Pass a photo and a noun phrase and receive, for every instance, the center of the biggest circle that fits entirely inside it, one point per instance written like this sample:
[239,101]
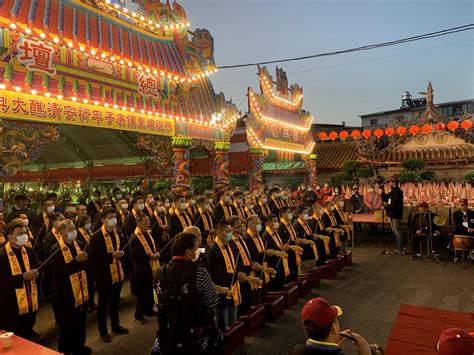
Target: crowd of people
[195,262]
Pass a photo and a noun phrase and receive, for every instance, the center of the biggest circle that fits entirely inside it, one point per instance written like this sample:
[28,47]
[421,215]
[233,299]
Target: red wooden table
[22,346]
[416,329]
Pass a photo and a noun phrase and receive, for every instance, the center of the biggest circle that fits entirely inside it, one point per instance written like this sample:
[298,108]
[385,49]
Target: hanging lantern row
[400,131]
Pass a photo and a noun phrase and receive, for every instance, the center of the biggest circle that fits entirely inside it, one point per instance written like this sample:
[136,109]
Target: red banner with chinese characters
[42,109]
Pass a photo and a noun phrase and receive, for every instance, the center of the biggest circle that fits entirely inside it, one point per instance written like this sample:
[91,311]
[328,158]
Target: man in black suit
[93,207]
[393,205]
[464,219]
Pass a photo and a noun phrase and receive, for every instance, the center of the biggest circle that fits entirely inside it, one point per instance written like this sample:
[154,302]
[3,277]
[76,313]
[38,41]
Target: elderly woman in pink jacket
[372,200]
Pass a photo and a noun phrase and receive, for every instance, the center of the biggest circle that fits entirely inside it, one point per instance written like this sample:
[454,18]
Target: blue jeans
[397,231]
[226,314]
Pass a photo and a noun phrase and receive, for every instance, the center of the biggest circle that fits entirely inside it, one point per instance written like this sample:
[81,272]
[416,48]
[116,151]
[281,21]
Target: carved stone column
[220,171]
[181,178]
[257,157]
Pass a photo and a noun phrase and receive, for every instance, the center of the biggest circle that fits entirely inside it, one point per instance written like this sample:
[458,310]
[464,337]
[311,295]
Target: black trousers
[109,296]
[246,293]
[21,325]
[145,300]
[438,242]
[72,333]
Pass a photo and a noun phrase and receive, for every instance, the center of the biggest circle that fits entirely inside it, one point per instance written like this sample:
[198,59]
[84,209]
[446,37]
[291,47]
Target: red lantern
[414,130]
[440,126]
[366,133]
[378,132]
[426,128]
[323,135]
[333,135]
[389,131]
[466,124]
[401,130]
[343,135]
[453,125]
[355,134]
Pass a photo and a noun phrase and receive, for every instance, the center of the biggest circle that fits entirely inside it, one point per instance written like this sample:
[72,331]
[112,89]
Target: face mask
[71,235]
[303,188]
[227,198]
[50,209]
[258,228]
[26,221]
[161,209]
[326,185]
[251,207]
[284,198]
[182,205]
[239,229]
[151,200]
[318,188]
[290,216]
[331,208]
[371,190]
[310,189]
[277,195]
[119,196]
[336,191]
[207,206]
[197,254]
[276,225]
[341,204]
[229,236]
[96,198]
[21,239]
[141,206]
[305,217]
[112,222]
[193,202]
[264,200]
[167,204]
[87,226]
[239,201]
[125,206]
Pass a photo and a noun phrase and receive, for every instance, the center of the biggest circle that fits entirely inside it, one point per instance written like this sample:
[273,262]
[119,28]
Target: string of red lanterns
[400,131]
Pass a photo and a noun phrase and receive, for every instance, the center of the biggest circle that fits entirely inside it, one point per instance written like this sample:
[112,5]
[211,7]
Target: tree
[352,171]
[469,177]
[414,171]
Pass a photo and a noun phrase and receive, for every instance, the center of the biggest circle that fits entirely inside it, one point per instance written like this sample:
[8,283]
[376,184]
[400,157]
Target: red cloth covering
[23,346]
[417,329]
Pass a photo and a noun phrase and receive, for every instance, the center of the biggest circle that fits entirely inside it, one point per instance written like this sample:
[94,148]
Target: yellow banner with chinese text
[37,108]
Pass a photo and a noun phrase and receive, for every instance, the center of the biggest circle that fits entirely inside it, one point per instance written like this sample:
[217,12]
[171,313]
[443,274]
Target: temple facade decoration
[276,122]
[220,171]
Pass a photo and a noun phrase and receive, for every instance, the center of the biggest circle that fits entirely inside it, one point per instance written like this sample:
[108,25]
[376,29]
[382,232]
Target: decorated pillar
[181,178]
[257,156]
[220,171]
[311,165]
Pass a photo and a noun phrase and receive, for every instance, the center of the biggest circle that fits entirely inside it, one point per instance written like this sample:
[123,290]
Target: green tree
[469,177]
[413,164]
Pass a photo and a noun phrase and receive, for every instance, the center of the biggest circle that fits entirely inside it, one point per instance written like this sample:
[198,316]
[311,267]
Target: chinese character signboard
[42,109]
[36,56]
[149,85]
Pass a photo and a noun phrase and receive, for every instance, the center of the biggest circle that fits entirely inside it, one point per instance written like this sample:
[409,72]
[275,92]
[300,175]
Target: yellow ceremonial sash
[308,232]
[30,238]
[293,238]
[337,238]
[227,210]
[277,204]
[159,220]
[208,224]
[248,212]
[86,235]
[343,218]
[97,207]
[27,296]
[56,234]
[116,267]
[276,238]
[261,249]
[122,215]
[317,219]
[149,209]
[240,213]
[79,279]
[184,223]
[245,255]
[149,249]
[46,220]
[230,268]
[265,209]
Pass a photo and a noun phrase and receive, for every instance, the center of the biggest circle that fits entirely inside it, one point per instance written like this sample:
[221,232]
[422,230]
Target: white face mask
[182,205]
[227,198]
[251,207]
[112,222]
[305,217]
[370,190]
[290,216]
[341,204]
[310,189]
[125,206]
[71,235]
[277,195]
[258,228]
[141,206]
[193,202]
[303,188]
[87,226]
[207,206]
[284,198]
[151,200]
[239,201]
[21,239]
[119,196]
[161,209]
[167,204]
[336,191]
[276,225]
[50,209]
[331,208]
[264,200]
[26,222]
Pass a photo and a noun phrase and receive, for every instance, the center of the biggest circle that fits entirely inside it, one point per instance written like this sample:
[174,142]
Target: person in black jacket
[424,227]
[464,219]
[69,290]
[393,205]
[145,257]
